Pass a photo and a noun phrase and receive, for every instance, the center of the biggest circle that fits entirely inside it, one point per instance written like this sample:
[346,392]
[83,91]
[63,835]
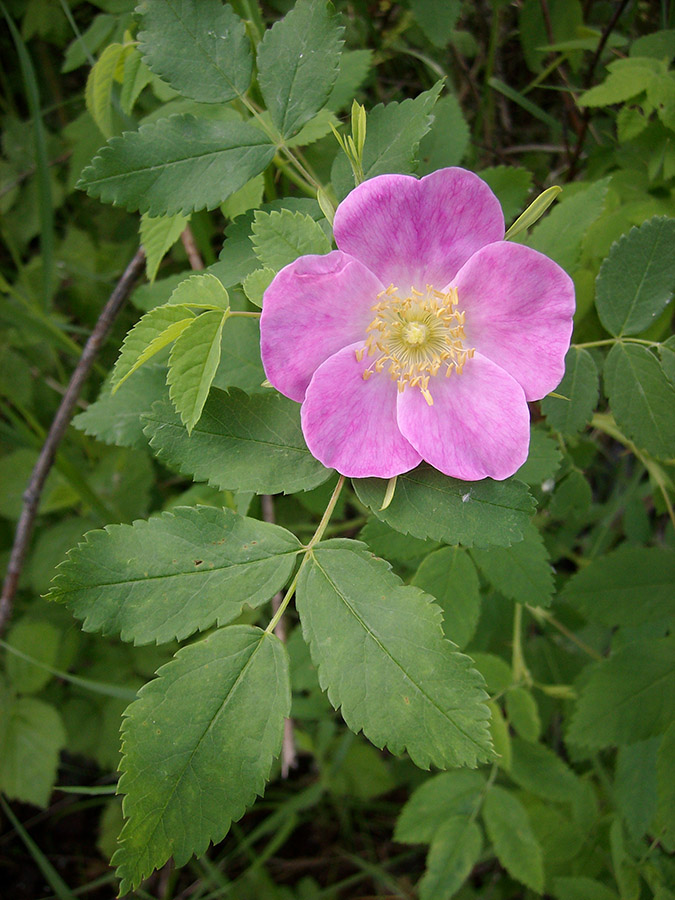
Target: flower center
[415,336]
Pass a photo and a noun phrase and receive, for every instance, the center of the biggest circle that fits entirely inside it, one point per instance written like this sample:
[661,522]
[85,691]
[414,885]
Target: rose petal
[350,424]
[414,232]
[478,426]
[519,306]
[312,308]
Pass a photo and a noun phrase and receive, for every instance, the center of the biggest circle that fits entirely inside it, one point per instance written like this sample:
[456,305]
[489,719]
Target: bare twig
[193,254]
[289,756]
[33,492]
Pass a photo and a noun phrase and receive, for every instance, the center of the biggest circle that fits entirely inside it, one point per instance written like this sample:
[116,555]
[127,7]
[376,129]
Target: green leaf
[115,419]
[248,197]
[354,67]
[381,656]
[31,737]
[241,443]
[203,291]
[428,504]
[523,713]
[625,80]
[511,185]
[240,364]
[641,398]
[560,234]
[667,354]
[392,545]
[177,165]
[537,769]
[450,577]
[543,458]
[628,697]
[280,237]
[636,281]
[665,765]
[635,784]
[256,283]
[199,47]
[298,61]
[509,829]
[198,747]
[158,235]
[581,888]
[448,140]
[38,639]
[453,853]
[501,737]
[630,586]
[580,387]
[440,797]
[521,572]
[98,93]
[153,331]
[437,21]
[174,574]
[392,138]
[193,363]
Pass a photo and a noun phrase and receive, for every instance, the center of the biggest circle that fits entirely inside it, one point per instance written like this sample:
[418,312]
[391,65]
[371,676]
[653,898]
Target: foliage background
[580,803]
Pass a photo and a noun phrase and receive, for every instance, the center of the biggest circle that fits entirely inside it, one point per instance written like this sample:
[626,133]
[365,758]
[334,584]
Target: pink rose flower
[423,336]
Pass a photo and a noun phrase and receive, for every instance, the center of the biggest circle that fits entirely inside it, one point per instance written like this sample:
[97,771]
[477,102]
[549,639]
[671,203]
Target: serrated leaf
[177,165]
[241,443]
[204,291]
[280,237]
[635,784]
[248,197]
[580,388]
[667,354]
[39,639]
[641,398]
[543,458]
[115,419]
[354,67]
[627,81]
[636,281]
[450,577]
[581,888]
[561,233]
[537,769]
[628,697]
[31,737]
[392,545]
[193,363]
[630,586]
[392,139]
[200,47]
[153,331]
[298,61]
[437,21]
[452,855]
[256,283]
[136,76]
[381,656]
[455,793]
[428,504]
[174,574]
[521,572]
[448,139]
[501,737]
[509,829]
[198,747]
[98,92]
[158,235]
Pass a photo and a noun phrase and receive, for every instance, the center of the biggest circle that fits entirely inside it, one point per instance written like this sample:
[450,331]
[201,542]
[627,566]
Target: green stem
[542,615]
[606,342]
[521,673]
[250,315]
[318,534]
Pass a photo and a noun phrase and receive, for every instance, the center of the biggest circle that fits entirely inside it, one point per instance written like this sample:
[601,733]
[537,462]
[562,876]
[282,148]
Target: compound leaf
[515,844]
[193,364]
[453,853]
[522,572]
[280,237]
[578,390]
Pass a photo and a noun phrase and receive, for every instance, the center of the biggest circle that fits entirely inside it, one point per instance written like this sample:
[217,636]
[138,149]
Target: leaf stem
[318,534]
[606,342]
[541,615]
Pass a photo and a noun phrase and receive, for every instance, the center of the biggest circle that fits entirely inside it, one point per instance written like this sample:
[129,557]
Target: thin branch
[33,492]
[193,254]
[289,756]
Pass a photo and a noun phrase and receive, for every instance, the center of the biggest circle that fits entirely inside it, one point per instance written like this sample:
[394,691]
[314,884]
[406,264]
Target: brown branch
[33,492]
[289,756]
[193,254]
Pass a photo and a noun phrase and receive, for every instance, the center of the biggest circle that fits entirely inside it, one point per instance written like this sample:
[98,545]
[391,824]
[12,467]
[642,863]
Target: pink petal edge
[313,308]
[414,232]
[350,424]
[519,306]
[478,426]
